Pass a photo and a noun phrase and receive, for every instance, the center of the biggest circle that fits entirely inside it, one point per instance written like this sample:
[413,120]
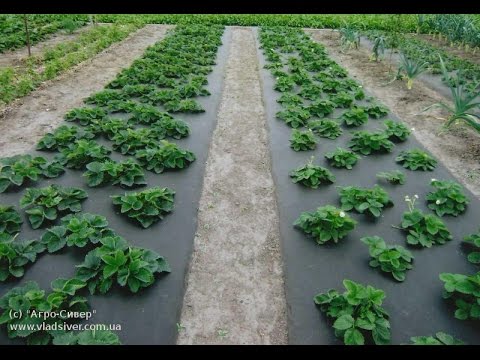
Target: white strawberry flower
[437,202]
[416,196]
[341,214]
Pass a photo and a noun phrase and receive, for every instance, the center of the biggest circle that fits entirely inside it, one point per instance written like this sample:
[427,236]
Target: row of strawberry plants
[316,94]
[178,65]
[12,27]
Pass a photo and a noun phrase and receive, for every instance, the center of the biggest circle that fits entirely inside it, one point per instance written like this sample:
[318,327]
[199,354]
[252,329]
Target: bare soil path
[14,58]
[235,292]
[458,149]
[27,120]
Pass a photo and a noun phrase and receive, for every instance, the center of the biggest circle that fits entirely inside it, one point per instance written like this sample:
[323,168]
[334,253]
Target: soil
[15,57]
[28,119]
[235,290]
[454,50]
[458,149]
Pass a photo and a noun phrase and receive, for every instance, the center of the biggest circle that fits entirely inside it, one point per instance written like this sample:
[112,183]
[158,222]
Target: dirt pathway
[14,58]
[235,291]
[24,123]
[458,149]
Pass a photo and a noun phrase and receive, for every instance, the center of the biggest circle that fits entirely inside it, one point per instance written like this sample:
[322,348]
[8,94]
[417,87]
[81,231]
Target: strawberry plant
[10,220]
[422,229]
[172,128]
[355,116]
[396,131]
[15,255]
[102,98]
[85,116]
[312,175]
[47,203]
[416,159]
[395,177]
[342,99]
[130,140]
[342,158]
[447,199]
[82,152]
[126,173]
[167,156]
[366,142]
[473,243]
[147,114]
[321,108]
[116,262]
[364,200]
[146,207]
[325,224]
[111,127]
[18,169]
[77,230]
[183,105]
[325,128]
[358,313]
[127,106]
[294,116]
[303,140]
[390,259]
[376,111]
[62,137]
[30,299]
[87,337]
[290,99]
[464,291]
[440,338]
[284,84]
[311,92]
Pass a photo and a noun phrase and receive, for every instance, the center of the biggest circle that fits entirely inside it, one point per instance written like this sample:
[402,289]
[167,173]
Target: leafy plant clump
[440,338]
[62,137]
[130,141]
[111,127]
[126,173]
[464,291]
[116,262]
[416,159]
[47,203]
[366,143]
[423,229]
[82,152]
[76,230]
[87,337]
[173,128]
[146,207]
[30,299]
[364,200]
[325,224]
[86,116]
[325,128]
[16,170]
[183,105]
[395,177]
[342,158]
[15,255]
[356,116]
[294,116]
[10,220]
[390,259]
[396,131]
[321,108]
[473,243]
[358,313]
[447,199]
[376,111]
[311,175]
[342,99]
[303,140]
[167,156]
